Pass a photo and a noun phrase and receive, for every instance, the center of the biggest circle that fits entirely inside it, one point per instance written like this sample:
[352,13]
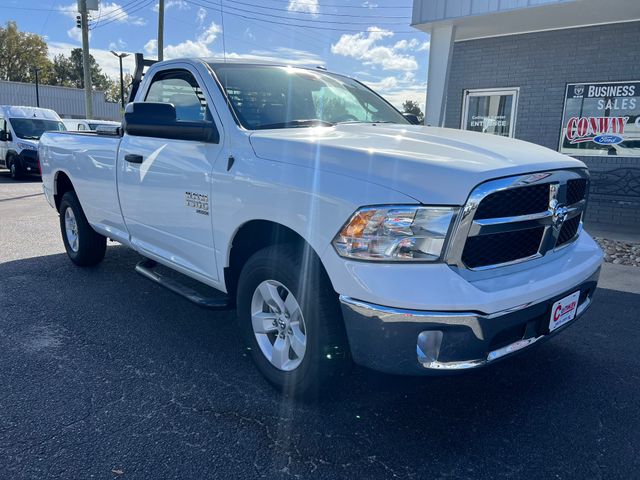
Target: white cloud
[201,15]
[107,61]
[386,83]
[249,34]
[370,5]
[151,47]
[365,47]
[118,45]
[106,12]
[75,33]
[399,89]
[210,34]
[309,6]
[188,48]
[413,44]
[200,47]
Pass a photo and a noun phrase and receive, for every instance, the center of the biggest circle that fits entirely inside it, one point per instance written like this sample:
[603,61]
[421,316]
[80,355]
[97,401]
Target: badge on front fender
[198,201]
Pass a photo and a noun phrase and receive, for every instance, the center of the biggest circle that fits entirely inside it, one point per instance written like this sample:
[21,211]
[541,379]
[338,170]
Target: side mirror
[5,136]
[147,119]
[412,118]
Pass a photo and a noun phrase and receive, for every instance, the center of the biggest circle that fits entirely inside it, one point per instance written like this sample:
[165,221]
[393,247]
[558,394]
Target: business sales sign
[601,119]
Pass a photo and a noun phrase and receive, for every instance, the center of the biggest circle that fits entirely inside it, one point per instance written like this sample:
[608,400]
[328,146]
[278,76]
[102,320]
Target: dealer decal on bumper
[564,310]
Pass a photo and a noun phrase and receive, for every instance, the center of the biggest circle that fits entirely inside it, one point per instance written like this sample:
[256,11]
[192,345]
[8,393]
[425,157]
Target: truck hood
[431,165]
[27,144]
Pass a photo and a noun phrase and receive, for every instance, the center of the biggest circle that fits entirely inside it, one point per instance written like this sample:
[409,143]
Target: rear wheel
[83,244]
[291,319]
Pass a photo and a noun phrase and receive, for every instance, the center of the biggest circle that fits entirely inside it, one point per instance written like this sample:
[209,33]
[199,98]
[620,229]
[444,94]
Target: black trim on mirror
[158,120]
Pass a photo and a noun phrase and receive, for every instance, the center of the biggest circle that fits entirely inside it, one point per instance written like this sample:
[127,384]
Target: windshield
[284,97]
[94,126]
[33,128]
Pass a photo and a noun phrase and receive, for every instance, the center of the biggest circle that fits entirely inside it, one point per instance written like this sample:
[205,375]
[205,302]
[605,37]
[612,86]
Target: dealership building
[564,74]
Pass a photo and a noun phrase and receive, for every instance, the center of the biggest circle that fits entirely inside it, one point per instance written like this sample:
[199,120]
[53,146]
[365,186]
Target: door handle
[133,158]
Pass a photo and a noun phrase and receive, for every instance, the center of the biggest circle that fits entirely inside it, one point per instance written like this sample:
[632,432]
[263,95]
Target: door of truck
[166,199]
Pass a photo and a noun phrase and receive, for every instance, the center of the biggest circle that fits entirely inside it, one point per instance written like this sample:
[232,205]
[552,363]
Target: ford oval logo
[608,139]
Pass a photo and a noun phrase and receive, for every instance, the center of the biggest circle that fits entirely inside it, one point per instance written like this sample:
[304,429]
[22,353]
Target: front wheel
[291,319]
[83,244]
[15,169]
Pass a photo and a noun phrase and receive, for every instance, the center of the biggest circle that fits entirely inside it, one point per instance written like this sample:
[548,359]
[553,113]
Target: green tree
[68,71]
[112,94]
[409,106]
[21,53]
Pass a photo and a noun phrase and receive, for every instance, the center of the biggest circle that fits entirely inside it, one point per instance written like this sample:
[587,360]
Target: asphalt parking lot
[106,375]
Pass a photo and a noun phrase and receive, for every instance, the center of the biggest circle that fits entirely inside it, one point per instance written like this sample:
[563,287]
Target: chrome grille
[515,219]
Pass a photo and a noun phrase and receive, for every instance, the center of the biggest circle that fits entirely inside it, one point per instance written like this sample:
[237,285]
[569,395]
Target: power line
[125,14]
[404,17]
[116,11]
[289,24]
[282,17]
[120,12]
[312,3]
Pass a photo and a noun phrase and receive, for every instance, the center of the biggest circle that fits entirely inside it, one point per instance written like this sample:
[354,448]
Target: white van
[20,130]
[84,125]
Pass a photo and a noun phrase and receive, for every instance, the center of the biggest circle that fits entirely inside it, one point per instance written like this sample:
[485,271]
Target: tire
[292,270]
[15,169]
[87,247]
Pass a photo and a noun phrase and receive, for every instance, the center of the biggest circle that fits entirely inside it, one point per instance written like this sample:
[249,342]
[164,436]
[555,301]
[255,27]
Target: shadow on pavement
[154,385]
[5,177]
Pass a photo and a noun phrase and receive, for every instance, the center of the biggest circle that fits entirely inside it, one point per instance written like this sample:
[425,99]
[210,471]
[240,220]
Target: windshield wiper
[30,137]
[366,121]
[312,122]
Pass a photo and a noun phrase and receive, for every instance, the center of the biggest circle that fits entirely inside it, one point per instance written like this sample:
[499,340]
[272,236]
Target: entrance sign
[601,119]
[490,111]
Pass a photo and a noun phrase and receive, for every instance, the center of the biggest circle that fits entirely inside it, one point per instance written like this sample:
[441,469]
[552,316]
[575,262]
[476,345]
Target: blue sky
[367,39]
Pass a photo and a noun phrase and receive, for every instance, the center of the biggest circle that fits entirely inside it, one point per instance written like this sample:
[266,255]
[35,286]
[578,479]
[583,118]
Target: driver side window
[180,88]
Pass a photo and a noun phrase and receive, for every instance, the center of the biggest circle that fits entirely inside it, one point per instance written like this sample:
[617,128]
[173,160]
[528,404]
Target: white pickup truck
[337,229]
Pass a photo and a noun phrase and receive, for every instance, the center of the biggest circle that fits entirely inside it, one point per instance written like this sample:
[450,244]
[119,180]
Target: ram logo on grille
[559,215]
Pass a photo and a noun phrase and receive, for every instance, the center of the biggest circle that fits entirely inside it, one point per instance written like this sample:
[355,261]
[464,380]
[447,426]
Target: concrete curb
[623,278]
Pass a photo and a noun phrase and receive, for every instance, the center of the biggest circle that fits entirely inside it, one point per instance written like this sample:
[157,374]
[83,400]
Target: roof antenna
[224,45]
[230,160]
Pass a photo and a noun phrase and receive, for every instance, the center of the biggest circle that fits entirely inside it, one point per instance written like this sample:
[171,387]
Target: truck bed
[90,159]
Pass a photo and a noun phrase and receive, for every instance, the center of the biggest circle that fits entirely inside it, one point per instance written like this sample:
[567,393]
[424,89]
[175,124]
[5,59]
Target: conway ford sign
[601,119]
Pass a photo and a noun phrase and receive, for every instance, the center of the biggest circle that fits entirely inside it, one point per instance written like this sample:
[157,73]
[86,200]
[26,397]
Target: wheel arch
[61,185]
[252,236]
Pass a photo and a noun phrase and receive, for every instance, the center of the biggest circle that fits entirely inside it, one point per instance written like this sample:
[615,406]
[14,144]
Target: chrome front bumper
[414,342]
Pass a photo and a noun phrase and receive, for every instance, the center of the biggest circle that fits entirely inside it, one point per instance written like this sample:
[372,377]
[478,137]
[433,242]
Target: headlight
[26,146]
[395,233]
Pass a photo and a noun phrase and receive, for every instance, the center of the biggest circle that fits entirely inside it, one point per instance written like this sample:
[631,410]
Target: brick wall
[541,64]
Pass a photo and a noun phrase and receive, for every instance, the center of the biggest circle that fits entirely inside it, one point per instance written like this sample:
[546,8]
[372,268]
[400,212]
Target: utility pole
[160,29]
[82,4]
[37,91]
[120,57]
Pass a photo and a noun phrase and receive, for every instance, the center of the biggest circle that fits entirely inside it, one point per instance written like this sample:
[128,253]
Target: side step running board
[145,268]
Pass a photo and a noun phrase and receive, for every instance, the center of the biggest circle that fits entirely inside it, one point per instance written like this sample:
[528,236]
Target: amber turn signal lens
[358,224]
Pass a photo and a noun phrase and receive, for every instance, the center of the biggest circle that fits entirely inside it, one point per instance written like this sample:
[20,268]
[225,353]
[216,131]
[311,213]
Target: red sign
[586,129]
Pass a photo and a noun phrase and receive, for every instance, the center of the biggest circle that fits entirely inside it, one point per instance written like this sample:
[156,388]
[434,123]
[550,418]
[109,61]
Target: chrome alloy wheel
[278,325]
[71,229]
